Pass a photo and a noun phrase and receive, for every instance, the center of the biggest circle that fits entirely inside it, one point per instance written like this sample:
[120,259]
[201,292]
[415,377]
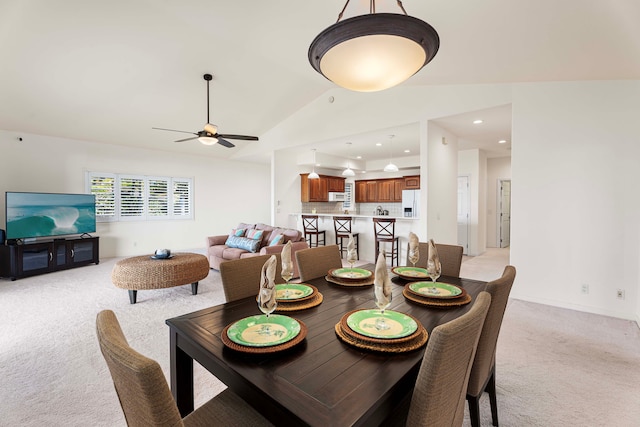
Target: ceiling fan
[209,135]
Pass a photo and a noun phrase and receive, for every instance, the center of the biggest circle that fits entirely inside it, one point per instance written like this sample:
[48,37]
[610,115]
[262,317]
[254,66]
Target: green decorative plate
[391,324]
[350,273]
[263,331]
[443,290]
[411,272]
[293,291]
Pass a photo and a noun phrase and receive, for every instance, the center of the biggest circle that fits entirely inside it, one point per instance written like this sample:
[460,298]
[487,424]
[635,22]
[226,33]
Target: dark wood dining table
[320,382]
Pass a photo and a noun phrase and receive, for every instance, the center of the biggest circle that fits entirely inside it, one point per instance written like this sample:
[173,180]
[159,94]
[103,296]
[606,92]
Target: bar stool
[342,226]
[310,227]
[384,231]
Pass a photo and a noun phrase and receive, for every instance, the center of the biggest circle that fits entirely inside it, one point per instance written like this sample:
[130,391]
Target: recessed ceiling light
[477,122]
[502,141]
[358,157]
[407,151]
[378,144]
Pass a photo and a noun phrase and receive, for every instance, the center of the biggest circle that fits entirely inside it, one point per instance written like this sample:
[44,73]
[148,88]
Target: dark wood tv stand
[30,259]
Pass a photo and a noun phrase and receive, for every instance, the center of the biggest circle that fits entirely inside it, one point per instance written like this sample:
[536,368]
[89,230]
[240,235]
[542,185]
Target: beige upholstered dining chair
[450,258]
[438,396]
[144,394]
[241,277]
[316,262]
[483,371]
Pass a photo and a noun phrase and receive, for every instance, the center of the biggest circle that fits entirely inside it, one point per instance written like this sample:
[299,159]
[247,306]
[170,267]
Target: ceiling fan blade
[242,137]
[174,130]
[186,139]
[225,143]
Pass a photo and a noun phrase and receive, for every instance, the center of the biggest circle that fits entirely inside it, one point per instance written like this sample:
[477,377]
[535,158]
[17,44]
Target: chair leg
[474,410]
[491,389]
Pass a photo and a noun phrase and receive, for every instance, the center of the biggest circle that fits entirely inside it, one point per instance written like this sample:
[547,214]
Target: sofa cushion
[246,226]
[288,233]
[233,253]
[246,243]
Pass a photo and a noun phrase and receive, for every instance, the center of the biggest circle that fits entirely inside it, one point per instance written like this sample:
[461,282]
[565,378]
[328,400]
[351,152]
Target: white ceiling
[109,71]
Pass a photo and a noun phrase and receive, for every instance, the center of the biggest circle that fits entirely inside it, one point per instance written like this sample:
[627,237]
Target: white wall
[575,210]
[472,163]
[226,192]
[498,168]
[441,185]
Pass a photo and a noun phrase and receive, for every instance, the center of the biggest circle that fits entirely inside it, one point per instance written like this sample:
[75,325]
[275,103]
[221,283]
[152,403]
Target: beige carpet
[555,367]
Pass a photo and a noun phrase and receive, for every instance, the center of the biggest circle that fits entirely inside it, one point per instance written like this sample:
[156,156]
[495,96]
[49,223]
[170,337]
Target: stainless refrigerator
[411,203]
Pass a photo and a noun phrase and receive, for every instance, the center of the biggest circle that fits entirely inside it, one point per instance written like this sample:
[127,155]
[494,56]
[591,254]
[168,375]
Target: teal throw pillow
[277,240]
[255,234]
[245,243]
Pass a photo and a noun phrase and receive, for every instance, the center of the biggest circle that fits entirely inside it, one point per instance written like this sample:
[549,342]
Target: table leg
[194,288]
[181,377]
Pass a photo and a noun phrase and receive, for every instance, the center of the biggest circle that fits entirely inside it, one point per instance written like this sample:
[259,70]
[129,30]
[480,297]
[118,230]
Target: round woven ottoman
[144,273]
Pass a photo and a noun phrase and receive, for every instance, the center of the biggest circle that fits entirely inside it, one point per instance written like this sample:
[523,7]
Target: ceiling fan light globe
[208,140]
[313,175]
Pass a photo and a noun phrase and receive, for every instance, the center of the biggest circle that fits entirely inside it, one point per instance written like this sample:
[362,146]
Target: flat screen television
[49,214]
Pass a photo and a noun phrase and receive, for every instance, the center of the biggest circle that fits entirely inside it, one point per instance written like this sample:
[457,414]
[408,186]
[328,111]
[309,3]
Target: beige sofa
[218,251]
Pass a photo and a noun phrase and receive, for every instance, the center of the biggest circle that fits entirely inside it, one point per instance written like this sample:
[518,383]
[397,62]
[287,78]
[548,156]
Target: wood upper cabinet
[385,190]
[372,191]
[398,186]
[335,183]
[361,191]
[412,182]
[317,190]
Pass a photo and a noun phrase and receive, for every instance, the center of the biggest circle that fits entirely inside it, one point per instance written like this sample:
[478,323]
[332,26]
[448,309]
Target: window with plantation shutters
[132,197]
[103,186]
[135,197]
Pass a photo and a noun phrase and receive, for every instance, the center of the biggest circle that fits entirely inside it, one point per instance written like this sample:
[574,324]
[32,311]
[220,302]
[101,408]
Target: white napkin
[287,264]
[267,283]
[382,283]
[433,261]
[414,245]
[351,249]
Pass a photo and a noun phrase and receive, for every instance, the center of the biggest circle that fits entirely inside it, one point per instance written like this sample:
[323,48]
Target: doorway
[464,212]
[504,213]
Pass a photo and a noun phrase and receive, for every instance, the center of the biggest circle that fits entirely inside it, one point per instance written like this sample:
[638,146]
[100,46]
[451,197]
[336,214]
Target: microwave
[337,197]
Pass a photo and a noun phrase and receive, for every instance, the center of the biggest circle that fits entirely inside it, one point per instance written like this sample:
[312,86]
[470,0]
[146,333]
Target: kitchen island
[363,224]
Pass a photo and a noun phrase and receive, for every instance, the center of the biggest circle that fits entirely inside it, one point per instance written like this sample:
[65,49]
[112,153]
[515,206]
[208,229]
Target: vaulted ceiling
[109,71]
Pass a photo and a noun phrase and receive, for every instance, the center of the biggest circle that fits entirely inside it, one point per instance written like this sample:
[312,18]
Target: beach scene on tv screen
[42,215]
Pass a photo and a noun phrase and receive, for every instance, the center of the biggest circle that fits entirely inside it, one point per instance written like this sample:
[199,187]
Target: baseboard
[579,307]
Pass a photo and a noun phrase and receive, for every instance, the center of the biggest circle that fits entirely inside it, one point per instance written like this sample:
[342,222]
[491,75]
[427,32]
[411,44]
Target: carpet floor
[555,367]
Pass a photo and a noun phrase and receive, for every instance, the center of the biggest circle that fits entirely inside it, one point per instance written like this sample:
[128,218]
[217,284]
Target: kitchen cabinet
[335,184]
[361,191]
[398,186]
[385,190]
[412,182]
[372,191]
[380,190]
[317,190]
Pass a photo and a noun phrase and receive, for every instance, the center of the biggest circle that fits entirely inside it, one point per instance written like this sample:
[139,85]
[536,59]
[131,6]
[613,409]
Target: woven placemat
[430,302]
[314,301]
[268,349]
[357,336]
[337,281]
[414,344]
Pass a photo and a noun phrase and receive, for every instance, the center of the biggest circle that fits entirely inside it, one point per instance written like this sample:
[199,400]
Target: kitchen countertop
[397,218]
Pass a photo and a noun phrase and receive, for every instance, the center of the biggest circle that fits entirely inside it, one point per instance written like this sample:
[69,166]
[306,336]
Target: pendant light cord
[372,8]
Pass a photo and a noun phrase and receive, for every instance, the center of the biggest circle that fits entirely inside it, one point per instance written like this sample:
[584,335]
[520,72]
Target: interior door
[464,206]
[505,213]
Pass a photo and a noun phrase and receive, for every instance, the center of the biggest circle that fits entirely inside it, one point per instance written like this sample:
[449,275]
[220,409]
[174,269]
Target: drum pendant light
[373,52]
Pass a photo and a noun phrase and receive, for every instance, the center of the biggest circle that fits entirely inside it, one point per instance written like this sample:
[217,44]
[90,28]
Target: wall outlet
[620,293]
[585,288]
